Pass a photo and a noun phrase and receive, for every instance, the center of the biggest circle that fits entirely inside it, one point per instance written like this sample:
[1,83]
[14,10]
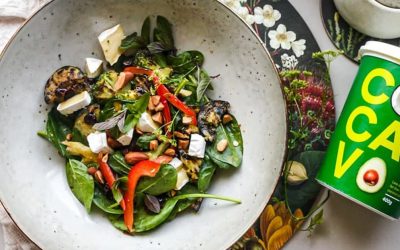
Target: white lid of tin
[382,50]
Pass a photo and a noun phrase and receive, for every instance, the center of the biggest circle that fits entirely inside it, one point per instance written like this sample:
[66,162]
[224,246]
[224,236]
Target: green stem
[212,196]
[43,134]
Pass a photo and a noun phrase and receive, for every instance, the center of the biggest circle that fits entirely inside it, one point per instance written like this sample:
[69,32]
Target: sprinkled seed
[221,145]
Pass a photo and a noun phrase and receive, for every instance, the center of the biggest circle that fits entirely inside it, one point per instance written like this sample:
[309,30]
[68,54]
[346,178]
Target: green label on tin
[362,159]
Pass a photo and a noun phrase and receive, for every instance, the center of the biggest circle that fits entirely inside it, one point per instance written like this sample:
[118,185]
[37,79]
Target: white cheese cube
[110,40]
[98,142]
[74,103]
[181,180]
[126,139]
[197,146]
[176,163]
[93,67]
[146,123]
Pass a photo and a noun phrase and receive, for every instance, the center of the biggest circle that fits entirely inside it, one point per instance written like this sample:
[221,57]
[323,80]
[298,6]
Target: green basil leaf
[206,173]
[144,140]
[57,130]
[163,33]
[203,84]
[145,33]
[232,156]
[118,164]
[186,61]
[102,202]
[135,110]
[164,181]
[157,47]
[80,182]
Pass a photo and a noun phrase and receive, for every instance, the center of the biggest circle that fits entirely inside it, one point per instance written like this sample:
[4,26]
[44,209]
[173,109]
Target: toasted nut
[180,135]
[91,170]
[183,144]
[151,106]
[153,145]
[99,177]
[138,131]
[187,120]
[227,118]
[159,107]
[113,143]
[157,117]
[221,145]
[134,157]
[155,99]
[68,137]
[170,152]
[192,129]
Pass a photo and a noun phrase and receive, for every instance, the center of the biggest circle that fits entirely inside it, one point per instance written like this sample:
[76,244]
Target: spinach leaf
[182,205]
[186,61]
[232,156]
[144,140]
[118,222]
[102,202]
[206,173]
[80,182]
[117,162]
[135,110]
[204,83]
[57,130]
[145,221]
[164,181]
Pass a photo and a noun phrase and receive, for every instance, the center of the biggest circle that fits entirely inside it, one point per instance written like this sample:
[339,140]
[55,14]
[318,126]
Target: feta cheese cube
[93,67]
[110,41]
[181,180]
[98,142]
[126,139]
[176,163]
[74,103]
[146,123]
[197,146]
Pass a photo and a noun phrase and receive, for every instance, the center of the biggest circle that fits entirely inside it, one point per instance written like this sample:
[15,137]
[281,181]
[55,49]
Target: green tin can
[362,160]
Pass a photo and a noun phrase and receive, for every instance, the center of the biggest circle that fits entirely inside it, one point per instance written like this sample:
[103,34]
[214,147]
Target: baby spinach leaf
[117,162]
[206,173]
[204,82]
[144,140]
[186,61]
[232,156]
[57,130]
[80,182]
[117,221]
[102,202]
[164,181]
[135,110]
[182,205]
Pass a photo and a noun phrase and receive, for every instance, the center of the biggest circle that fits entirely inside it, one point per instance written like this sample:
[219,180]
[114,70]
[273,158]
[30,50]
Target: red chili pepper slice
[108,174]
[143,168]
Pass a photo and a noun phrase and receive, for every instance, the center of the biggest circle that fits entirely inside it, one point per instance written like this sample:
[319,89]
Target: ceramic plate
[33,185]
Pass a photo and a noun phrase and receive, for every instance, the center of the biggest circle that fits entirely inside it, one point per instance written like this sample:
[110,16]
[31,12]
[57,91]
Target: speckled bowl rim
[280,86]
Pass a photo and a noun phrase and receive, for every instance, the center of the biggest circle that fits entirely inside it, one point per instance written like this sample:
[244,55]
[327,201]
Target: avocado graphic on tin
[371,175]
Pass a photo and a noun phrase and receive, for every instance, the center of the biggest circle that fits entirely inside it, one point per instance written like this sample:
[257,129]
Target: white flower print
[281,38]
[267,15]
[298,47]
[243,12]
[232,4]
[289,62]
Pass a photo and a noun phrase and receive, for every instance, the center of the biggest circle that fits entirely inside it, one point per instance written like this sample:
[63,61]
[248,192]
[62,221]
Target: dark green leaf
[161,60]
[184,204]
[102,202]
[186,61]
[132,41]
[156,47]
[145,33]
[232,156]
[118,222]
[163,33]
[203,84]
[135,110]
[303,196]
[118,164]
[107,111]
[144,140]
[78,137]
[164,181]
[206,173]
[80,182]
[57,130]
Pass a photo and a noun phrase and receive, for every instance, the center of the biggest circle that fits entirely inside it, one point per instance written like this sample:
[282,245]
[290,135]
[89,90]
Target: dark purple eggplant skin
[64,83]
[210,116]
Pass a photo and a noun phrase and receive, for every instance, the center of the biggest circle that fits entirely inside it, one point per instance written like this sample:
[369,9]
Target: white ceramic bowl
[370,17]
[33,185]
